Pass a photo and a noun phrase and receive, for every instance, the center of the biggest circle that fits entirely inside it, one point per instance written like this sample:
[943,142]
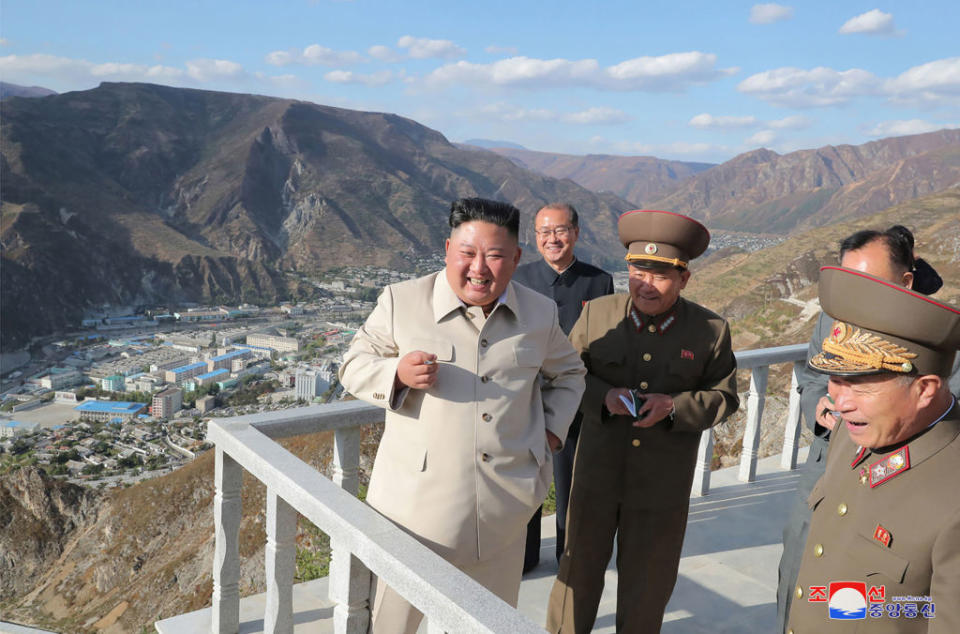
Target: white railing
[363,542]
[758,362]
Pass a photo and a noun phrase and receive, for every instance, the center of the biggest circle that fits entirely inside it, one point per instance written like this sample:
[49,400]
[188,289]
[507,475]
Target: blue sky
[697,81]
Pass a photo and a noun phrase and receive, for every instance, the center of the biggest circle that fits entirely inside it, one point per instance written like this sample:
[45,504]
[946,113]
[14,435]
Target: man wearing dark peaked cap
[883,551]
[633,472]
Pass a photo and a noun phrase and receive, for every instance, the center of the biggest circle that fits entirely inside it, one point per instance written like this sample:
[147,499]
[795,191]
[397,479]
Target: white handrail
[364,542]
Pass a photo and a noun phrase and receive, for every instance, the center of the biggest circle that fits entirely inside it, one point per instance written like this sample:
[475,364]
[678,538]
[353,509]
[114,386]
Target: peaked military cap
[880,326]
[661,238]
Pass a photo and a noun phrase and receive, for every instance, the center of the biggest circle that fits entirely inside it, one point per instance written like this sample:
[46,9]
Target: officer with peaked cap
[671,361]
[883,552]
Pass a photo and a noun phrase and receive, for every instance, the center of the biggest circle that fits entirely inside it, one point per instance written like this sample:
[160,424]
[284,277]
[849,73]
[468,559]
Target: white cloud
[799,88]
[596,115]
[349,77]
[682,149]
[384,53]
[508,112]
[501,50]
[707,121]
[795,122]
[210,69]
[905,127]
[52,66]
[762,138]
[873,22]
[64,73]
[769,13]
[423,48]
[931,82]
[314,55]
[673,72]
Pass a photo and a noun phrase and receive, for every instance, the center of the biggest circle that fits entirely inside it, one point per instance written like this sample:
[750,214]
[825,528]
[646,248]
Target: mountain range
[132,194]
[639,179]
[137,194]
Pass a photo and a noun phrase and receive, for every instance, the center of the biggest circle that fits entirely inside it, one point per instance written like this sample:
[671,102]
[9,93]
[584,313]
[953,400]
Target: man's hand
[613,403]
[825,417]
[554,441]
[417,370]
[655,408]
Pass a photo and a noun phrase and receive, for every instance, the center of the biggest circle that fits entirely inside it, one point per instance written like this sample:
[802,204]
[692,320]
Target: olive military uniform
[883,550]
[571,289]
[635,482]
[901,534]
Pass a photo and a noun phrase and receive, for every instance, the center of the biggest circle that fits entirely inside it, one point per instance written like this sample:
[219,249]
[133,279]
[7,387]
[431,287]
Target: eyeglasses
[561,232]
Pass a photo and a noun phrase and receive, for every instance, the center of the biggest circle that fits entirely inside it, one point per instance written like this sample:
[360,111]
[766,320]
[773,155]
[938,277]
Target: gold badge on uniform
[891,466]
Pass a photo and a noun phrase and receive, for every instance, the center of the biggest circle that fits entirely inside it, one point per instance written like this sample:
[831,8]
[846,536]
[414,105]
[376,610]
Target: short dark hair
[567,207]
[480,209]
[899,242]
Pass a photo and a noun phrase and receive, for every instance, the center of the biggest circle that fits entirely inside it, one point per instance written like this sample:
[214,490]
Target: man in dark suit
[571,283]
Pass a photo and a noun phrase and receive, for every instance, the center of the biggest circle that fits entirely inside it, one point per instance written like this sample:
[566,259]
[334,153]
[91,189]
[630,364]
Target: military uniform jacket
[464,464]
[902,534]
[686,353]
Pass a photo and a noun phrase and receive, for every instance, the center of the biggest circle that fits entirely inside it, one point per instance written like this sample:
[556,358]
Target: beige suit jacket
[464,464]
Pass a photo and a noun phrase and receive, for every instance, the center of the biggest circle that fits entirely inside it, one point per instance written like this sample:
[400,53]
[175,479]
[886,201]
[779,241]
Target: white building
[310,384]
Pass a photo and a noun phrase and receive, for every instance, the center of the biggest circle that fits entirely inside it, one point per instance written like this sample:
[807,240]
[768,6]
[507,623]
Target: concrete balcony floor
[727,580]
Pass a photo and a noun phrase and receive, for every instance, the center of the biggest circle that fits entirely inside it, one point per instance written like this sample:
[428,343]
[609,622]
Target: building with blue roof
[109,411]
[13,428]
[185,372]
[225,361]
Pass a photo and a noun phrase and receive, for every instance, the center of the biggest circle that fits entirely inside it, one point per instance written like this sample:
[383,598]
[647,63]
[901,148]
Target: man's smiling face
[878,410]
[480,259]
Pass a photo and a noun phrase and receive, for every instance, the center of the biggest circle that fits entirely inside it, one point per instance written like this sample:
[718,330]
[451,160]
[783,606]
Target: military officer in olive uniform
[883,551]
[633,471]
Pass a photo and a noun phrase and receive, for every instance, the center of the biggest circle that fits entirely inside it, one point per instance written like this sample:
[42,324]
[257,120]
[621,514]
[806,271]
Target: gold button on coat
[644,385]
[842,509]
[799,592]
[635,442]
[818,550]
[647,356]
[652,328]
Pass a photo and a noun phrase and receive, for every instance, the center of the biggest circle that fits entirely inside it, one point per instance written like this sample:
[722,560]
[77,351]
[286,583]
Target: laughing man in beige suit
[480,385]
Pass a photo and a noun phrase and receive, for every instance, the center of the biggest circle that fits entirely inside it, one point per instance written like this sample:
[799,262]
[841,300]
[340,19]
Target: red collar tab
[858,457]
[889,467]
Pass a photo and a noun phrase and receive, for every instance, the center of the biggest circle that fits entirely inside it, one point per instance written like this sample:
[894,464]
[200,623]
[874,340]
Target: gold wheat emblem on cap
[852,346]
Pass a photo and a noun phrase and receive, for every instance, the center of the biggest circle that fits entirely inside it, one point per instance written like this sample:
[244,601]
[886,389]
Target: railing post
[751,433]
[791,432]
[228,479]
[349,578]
[701,474]
[346,459]
[280,564]
[350,589]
